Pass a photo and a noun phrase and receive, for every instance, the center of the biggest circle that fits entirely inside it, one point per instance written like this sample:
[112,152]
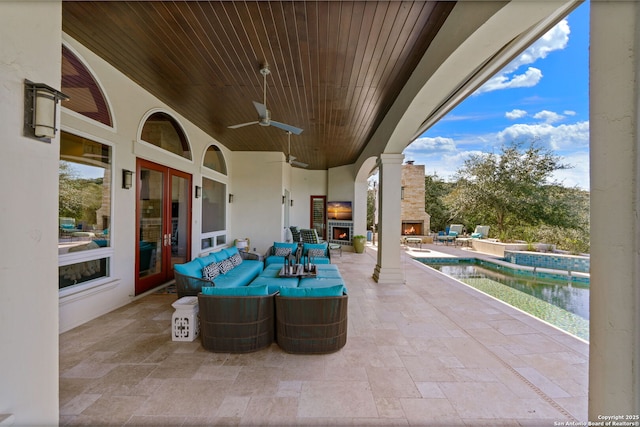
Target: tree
[434,191]
[510,189]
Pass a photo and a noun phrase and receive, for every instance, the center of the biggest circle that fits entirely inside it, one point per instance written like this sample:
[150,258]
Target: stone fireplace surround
[348,225]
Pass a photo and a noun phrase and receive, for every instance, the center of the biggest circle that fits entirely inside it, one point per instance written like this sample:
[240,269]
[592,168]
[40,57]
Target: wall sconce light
[127,179]
[198,191]
[230,198]
[40,110]
[291,202]
[284,199]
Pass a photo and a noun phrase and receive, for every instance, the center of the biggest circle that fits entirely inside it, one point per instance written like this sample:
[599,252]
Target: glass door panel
[151,226]
[318,215]
[180,215]
[163,232]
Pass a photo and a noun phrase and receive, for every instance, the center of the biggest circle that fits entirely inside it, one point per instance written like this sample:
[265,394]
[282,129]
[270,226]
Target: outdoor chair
[295,233]
[310,235]
[481,232]
[454,230]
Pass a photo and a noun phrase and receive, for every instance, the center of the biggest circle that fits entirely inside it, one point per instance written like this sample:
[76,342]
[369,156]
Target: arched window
[214,160]
[85,95]
[163,131]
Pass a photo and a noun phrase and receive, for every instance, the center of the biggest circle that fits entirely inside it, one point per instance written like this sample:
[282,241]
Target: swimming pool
[563,303]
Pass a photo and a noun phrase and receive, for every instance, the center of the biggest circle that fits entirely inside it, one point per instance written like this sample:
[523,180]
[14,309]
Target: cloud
[569,113]
[556,138]
[548,116]
[430,146]
[555,39]
[578,174]
[515,114]
[530,78]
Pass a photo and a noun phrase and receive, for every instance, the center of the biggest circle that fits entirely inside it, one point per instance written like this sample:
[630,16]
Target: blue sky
[543,95]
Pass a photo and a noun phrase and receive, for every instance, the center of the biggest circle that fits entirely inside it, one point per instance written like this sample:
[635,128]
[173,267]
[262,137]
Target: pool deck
[431,351]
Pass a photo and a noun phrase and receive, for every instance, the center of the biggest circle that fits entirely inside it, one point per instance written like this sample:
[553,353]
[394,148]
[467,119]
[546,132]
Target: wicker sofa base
[236,324]
[311,325]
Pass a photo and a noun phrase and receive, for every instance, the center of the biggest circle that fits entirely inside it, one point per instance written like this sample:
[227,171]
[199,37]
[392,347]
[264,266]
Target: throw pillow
[211,271]
[225,266]
[315,253]
[282,251]
[236,259]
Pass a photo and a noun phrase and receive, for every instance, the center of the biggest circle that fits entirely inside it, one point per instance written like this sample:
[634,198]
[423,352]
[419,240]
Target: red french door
[163,225]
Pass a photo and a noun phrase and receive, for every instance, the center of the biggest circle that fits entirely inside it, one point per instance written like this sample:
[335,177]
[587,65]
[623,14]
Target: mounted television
[340,211]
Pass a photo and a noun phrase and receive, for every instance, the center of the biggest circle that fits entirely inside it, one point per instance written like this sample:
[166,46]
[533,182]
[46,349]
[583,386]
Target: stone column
[388,269]
[614,356]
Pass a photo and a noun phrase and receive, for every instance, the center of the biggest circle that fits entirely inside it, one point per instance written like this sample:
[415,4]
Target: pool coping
[577,277]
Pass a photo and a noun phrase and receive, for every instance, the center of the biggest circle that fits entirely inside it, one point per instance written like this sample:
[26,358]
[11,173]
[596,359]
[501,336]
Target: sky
[542,96]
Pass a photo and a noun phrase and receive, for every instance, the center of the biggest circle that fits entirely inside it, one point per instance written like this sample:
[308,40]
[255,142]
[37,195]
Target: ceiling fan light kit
[264,115]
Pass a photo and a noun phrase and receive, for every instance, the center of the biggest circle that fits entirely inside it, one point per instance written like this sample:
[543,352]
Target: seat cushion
[237,292]
[191,268]
[330,291]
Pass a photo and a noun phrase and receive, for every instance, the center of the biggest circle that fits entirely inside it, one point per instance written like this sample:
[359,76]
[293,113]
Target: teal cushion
[331,291]
[191,268]
[207,259]
[292,246]
[230,251]
[307,246]
[476,235]
[220,256]
[242,291]
[453,233]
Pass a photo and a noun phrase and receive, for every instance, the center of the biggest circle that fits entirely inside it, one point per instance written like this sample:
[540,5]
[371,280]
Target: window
[214,160]
[84,209]
[214,208]
[163,131]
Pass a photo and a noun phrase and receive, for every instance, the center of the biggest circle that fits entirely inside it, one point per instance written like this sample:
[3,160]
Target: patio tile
[429,352]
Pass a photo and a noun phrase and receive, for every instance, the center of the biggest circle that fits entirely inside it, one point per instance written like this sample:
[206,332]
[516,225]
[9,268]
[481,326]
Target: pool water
[562,304]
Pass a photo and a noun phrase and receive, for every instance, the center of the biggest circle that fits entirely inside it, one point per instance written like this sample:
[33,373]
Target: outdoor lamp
[198,191]
[127,179]
[40,110]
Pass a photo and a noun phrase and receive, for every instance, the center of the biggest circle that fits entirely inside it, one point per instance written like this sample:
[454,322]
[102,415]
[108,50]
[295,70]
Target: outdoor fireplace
[341,233]
[412,228]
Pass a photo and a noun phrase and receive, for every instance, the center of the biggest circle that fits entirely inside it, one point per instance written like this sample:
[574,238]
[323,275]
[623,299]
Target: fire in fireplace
[410,228]
[341,233]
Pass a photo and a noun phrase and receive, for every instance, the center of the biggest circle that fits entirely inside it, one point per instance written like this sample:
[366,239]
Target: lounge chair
[454,230]
[481,232]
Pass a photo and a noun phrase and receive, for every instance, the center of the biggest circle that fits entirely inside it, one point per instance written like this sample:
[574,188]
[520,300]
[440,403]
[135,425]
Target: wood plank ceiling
[336,66]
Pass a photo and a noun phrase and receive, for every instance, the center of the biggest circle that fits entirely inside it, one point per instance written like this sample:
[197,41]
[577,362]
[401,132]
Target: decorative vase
[358,243]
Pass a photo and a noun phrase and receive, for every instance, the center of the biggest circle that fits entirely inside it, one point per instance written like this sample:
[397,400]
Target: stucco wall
[29,194]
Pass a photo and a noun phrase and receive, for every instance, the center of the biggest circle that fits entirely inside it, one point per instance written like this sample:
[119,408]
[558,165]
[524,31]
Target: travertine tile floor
[429,352]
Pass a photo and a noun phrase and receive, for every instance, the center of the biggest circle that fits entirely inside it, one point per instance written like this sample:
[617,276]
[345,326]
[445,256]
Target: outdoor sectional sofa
[190,280]
[245,312]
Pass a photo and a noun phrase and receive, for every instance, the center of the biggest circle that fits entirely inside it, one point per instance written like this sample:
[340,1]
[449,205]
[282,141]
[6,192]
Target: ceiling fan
[264,114]
[292,159]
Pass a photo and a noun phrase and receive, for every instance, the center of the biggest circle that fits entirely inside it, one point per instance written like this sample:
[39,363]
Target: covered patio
[431,352]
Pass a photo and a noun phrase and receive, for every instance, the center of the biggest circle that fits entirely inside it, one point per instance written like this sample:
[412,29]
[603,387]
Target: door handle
[167,240]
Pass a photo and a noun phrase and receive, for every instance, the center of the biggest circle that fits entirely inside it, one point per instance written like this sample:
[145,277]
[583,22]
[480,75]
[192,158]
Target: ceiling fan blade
[261,109]
[298,164]
[242,125]
[294,130]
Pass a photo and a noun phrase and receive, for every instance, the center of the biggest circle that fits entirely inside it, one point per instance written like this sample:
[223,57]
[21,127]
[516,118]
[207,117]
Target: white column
[388,269]
[614,365]
[30,48]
